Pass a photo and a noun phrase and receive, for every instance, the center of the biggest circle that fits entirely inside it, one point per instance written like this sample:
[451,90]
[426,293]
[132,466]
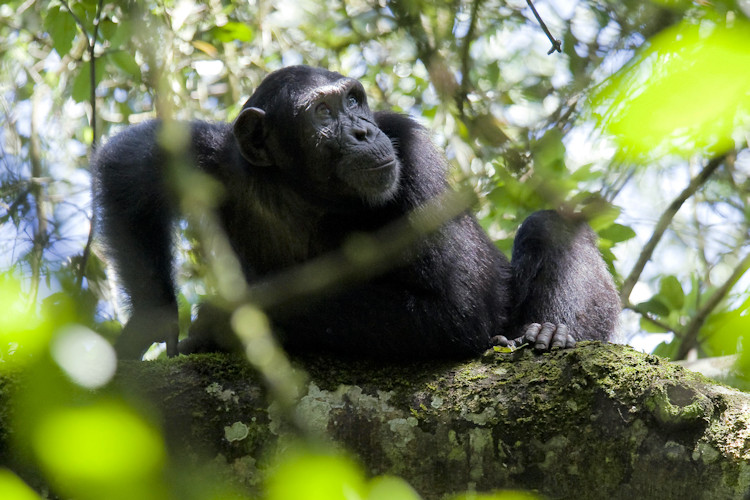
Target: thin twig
[466,55]
[556,44]
[663,224]
[91,43]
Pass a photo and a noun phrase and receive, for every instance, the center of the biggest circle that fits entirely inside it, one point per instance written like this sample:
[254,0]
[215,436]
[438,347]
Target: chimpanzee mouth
[388,164]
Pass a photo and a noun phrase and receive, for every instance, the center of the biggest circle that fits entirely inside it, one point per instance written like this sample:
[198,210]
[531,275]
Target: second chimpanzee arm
[563,289]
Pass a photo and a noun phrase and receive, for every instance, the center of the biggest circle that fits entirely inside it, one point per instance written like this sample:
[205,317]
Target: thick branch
[597,421]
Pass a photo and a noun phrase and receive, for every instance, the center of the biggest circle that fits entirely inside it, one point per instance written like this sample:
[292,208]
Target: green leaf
[126,62]
[107,29]
[649,326]
[654,305]
[101,450]
[601,215]
[549,151]
[685,92]
[233,31]
[62,29]
[121,35]
[391,488]
[82,85]
[667,349]
[671,293]
[12,487]
[316,476]
[617,233]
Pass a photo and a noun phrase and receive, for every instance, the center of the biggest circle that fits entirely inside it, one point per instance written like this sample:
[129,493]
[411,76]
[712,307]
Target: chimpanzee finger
[545,337]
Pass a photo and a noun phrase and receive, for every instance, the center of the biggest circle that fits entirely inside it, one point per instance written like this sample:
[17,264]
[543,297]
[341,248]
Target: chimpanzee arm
[135,211]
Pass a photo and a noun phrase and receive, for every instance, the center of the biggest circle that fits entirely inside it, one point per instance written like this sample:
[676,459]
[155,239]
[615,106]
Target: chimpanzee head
[315,128]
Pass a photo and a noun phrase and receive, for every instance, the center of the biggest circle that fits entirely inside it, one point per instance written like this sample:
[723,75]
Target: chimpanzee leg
[141,251]
[563,290]
[135,221]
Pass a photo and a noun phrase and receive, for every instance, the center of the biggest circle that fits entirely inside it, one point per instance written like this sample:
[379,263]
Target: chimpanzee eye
[352,101]
[323,109]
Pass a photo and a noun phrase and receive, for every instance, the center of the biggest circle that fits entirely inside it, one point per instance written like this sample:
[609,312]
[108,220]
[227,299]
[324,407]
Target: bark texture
[597,421]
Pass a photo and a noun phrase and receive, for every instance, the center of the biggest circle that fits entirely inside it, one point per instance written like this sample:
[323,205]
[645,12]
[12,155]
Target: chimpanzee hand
[543,337]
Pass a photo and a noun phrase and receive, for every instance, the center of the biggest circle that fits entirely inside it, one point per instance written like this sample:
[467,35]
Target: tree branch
[664,222]
[556,44]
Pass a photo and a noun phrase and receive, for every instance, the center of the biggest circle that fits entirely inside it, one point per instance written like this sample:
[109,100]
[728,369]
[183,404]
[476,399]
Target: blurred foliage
[701,62]
[614,128]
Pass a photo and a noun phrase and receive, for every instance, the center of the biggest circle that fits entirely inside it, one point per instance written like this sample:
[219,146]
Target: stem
[556,44]
[92,98]
[37,192]
[663,224]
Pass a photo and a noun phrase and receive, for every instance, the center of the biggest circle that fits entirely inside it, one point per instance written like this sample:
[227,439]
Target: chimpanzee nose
[360,132]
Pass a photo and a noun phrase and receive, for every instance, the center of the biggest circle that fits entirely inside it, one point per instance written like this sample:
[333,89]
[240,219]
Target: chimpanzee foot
[548,336]
[543,337]
[146,327]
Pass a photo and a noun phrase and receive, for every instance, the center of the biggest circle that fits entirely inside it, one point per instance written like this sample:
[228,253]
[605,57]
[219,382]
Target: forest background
[639,121]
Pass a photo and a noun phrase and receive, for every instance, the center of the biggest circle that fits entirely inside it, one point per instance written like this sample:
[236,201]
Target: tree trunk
[598,421]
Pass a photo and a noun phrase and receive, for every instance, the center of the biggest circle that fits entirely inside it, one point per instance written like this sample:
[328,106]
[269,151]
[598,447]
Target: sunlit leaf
[391,488]
[316,476]
[233,31]
[102,450]
[686,92]
[12,488]
[23,334]
[727,332]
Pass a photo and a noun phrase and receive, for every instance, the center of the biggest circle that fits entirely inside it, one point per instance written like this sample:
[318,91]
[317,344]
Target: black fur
[306,164]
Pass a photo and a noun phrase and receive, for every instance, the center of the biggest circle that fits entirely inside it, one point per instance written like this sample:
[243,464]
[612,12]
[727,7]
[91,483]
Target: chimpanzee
[305,165]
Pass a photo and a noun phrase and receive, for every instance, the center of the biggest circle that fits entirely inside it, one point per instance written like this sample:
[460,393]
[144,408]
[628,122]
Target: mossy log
[597,421]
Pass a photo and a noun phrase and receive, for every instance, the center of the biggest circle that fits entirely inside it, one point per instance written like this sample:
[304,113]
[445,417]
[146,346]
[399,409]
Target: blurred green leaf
[126,62]
[61,27]
[233,31]
[13,488]
[667,349]
[724,331]
[649,326]
[81,90]
[316,476]
[685,92]
[101,450]
[654,305]
[617,233]
[549,151]
[391,488]
[23,334]
[671,292]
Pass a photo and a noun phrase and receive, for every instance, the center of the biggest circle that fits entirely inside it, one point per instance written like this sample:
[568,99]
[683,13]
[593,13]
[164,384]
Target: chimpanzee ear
[249,131]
